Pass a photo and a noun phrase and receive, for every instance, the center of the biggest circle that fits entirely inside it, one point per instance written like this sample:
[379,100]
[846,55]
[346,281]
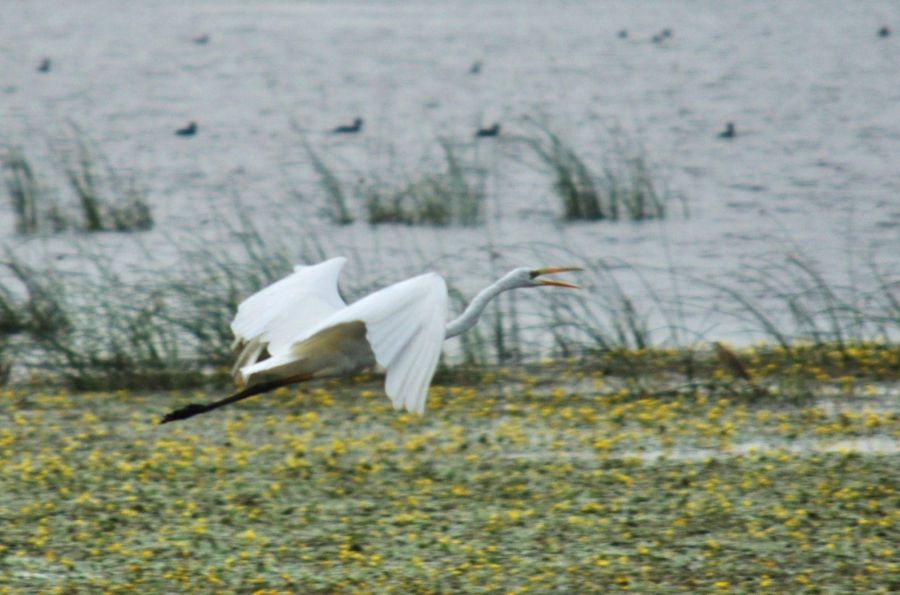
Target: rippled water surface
[814,170]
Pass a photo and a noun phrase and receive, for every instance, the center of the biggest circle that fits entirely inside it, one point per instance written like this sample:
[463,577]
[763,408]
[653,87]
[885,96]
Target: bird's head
[525,277]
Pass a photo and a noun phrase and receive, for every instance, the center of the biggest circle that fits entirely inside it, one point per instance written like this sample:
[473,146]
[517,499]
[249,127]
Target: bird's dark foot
[184,413]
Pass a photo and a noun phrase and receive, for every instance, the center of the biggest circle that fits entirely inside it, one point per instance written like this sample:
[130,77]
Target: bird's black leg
[263,387]
[185,412]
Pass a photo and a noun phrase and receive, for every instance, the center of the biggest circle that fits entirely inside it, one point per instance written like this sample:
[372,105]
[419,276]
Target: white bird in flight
[299,328]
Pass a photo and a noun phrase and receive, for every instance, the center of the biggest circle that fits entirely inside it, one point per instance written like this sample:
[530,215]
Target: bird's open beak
[555,283]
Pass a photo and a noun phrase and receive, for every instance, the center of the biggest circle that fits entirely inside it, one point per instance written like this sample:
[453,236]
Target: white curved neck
[473,311]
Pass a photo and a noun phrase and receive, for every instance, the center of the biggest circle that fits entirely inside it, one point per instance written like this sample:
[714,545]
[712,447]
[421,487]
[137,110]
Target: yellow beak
[553,282]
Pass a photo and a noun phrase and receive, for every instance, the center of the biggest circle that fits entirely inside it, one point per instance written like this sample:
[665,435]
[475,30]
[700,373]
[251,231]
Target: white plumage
[280,313]
[299,328]
[404,328]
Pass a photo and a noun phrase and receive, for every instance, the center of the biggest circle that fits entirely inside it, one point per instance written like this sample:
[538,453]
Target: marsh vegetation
[80,191]
[555,477]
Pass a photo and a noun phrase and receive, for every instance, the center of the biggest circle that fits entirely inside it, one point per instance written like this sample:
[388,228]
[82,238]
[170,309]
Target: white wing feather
[288,308]
[405,329]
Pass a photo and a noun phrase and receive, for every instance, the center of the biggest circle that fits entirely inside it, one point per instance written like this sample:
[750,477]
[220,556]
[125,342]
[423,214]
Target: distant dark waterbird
[729,132]
[352,129]
[488,132]
[662,36]
[189,130]
[44,65]
[202,39]
[623,34]
[885,31]
[475,68]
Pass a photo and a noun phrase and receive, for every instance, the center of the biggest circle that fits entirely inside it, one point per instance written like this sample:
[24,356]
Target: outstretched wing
[405,330]
[273,317]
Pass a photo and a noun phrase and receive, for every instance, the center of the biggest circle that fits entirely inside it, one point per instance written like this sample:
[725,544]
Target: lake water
[814,171]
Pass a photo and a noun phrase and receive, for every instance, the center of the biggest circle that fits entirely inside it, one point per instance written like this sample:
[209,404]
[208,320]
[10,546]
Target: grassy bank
[575,478]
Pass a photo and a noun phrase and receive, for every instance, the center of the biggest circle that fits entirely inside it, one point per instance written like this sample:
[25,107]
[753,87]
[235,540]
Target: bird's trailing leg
[263,387]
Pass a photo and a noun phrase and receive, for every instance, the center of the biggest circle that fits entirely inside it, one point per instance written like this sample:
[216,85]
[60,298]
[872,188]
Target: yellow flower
[460,491]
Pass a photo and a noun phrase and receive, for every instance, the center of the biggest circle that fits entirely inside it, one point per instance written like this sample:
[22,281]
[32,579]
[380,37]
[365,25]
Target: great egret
[307,331]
